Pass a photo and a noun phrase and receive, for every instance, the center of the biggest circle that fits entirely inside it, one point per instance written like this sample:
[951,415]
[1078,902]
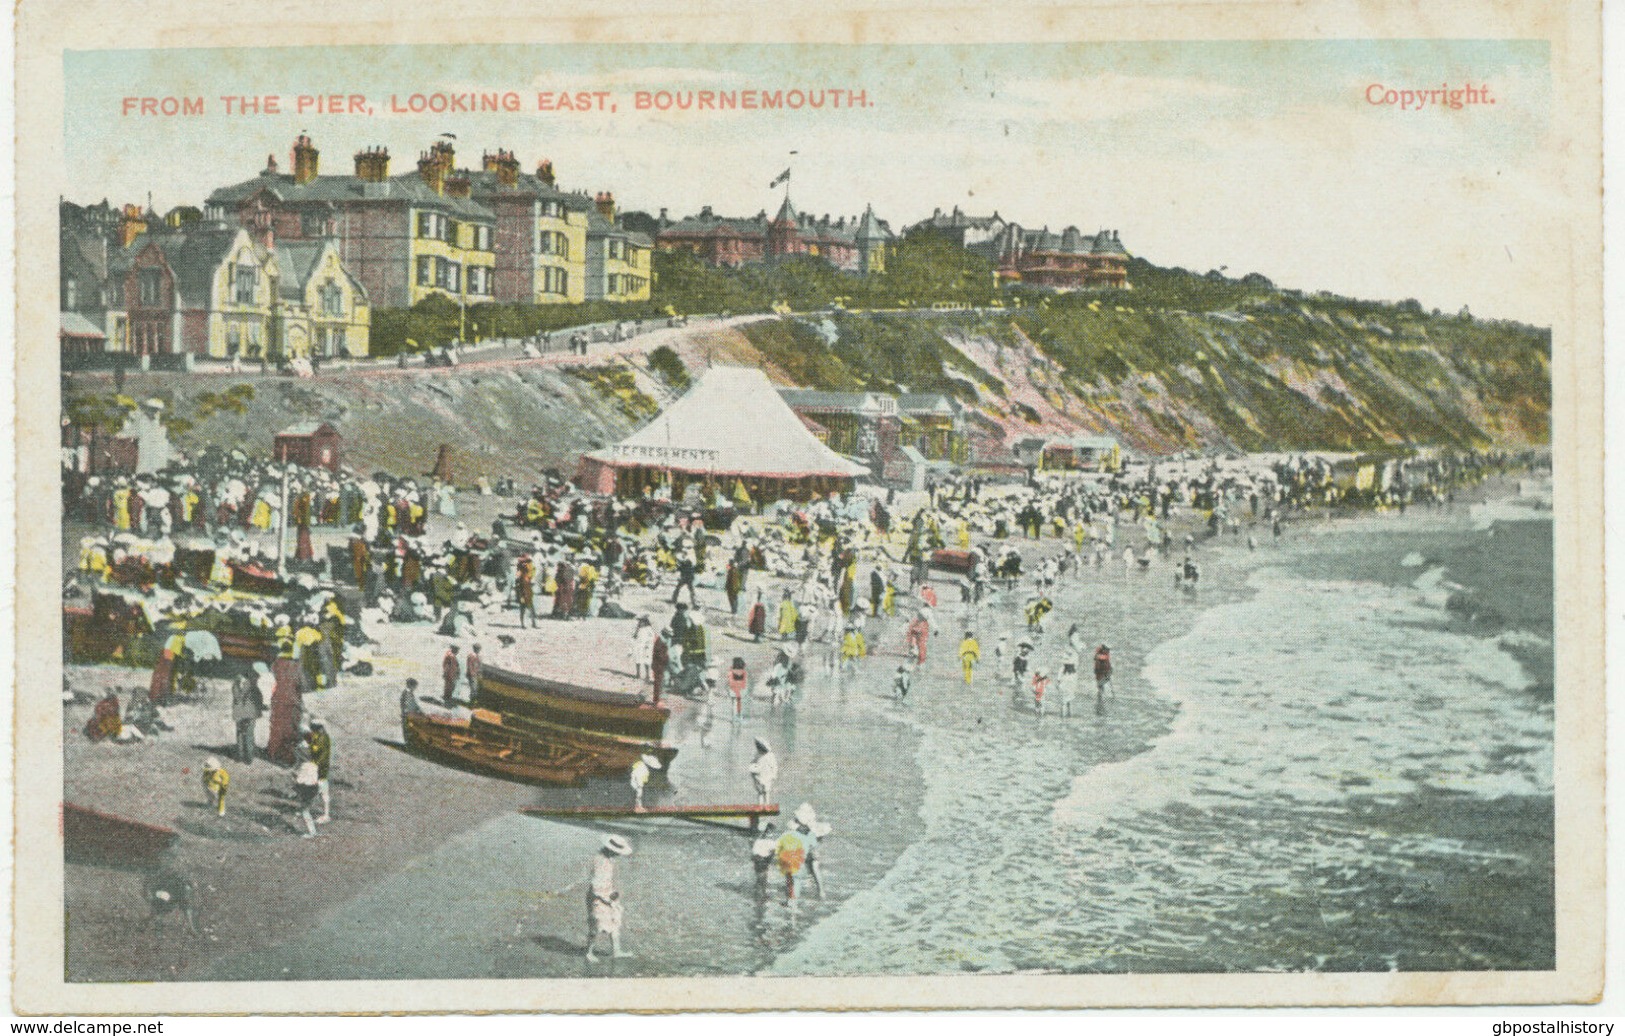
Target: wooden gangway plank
[699,814]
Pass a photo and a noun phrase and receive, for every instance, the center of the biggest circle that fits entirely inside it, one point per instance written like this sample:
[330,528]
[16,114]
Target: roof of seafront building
[599,225]
[405,188]
[298,262]
[842,230]
[73,325]
[193,254]
[486,183]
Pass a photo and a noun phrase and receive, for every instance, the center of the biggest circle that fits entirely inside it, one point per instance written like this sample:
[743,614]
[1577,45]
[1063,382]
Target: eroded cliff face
[1269,376]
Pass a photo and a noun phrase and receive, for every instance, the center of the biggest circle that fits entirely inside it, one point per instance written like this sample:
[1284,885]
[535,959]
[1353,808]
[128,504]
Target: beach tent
[731,427]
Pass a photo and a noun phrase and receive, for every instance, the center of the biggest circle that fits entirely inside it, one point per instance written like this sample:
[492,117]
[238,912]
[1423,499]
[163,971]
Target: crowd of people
[181,559]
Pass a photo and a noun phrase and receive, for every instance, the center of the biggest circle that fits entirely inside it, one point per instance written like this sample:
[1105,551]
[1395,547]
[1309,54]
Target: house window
[449,275]
[448,230]
[425,270]
[312,224]
[555,281]
[332,300]
[247,278]
[70,294]
[431,225]
[617,249]
[552,210]
[234,339]
[152,287]
[552,242]
[482,239]
[335,341]
[115,292]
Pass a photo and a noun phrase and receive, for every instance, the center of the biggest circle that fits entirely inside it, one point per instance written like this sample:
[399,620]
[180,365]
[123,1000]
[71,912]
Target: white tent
[733,423]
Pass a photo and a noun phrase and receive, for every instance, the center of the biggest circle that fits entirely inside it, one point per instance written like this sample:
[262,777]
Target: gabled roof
[297,262]
[732,422]
[88,247]
[871,228]
[787,213]
[926,403]
[194,254]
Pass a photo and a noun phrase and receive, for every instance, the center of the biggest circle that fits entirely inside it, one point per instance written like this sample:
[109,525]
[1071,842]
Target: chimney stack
[372,164]
[432,171]
[504,165]
[304,160]
[606,205]
[544,171]
[131,225]
[270,166]
[458,187]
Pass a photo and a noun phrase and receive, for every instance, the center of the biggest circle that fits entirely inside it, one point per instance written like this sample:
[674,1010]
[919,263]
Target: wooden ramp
[717,815]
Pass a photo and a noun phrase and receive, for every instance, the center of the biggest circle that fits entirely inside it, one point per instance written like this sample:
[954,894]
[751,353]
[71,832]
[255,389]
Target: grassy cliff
[1257,369]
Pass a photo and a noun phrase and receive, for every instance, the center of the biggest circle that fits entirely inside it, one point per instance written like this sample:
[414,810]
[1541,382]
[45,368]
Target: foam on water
[1292,707]
[1312,688]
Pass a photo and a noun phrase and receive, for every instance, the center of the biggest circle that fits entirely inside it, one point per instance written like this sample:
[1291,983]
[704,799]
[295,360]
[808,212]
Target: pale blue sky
[1256,156]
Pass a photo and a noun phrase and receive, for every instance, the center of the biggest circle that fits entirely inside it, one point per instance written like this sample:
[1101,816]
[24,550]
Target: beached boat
[93,836]
[255,580]
[612,754]
[952,560]
[619,714]
[485,743]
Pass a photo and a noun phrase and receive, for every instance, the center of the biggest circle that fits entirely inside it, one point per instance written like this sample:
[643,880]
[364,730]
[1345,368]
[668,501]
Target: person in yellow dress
[215,782]
[970,652]
[121,507]
[789,615]
[852,644]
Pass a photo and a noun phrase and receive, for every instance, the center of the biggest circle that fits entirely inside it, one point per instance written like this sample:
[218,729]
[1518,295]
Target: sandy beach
[427,871]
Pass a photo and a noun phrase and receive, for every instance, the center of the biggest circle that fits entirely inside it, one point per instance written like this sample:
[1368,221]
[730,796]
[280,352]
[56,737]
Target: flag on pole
[781,178]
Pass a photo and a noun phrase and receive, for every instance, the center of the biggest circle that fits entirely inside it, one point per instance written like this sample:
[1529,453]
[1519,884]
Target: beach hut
[310,444]
[731,427]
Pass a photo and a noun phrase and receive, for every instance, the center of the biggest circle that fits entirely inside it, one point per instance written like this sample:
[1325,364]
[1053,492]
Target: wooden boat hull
[250,579]
[569,705]
[951,561]
[612,754]
[490,747]
[93,836]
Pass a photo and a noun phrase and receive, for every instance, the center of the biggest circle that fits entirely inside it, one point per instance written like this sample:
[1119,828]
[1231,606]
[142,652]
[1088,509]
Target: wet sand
[388,885]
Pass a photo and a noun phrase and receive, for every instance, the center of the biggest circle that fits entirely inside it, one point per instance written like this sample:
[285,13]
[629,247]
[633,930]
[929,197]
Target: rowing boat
[93,836]
[484,742]
[616,713]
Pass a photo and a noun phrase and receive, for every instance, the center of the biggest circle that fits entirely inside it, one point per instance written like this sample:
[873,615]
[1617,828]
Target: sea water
[1319,766]
[1335,774]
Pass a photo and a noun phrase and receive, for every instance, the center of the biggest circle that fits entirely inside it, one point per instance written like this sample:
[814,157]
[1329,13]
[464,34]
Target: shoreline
[268,897]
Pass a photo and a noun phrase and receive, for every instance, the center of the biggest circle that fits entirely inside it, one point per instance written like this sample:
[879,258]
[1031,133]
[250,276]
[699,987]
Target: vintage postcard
[866,505]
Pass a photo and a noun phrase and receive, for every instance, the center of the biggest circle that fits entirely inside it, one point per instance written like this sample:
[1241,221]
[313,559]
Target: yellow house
[618,260]
[324,311]
[245,288]
[453,243]
[541,231]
